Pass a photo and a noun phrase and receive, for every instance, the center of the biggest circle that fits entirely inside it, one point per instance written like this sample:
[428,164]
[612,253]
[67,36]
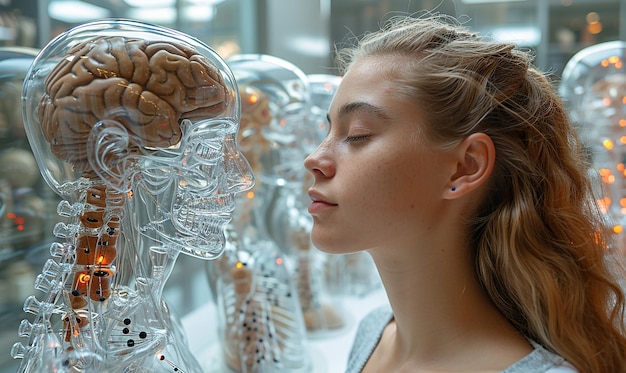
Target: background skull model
[261,323]
[134,126]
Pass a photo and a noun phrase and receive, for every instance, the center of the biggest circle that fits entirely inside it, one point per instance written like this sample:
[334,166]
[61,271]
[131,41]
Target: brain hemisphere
[148,87]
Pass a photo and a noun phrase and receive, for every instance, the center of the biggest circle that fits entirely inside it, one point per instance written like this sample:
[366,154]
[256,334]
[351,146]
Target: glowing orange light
[610,179]
[239,265]
[606,101]
[604,63]
[83,278]
[279,261]
[608,144]
[11,215]
[618,65]
[620,166]
[20,227]
[253,99]
[20,220]
[618,229]
[100,259]
[594,27]
[250,195]
[614,59]
[622,122]
[622,202]
[604,172]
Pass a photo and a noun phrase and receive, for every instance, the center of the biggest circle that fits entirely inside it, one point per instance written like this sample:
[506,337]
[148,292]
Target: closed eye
[356,138]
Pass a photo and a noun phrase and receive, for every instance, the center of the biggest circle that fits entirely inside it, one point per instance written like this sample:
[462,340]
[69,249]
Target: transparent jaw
[191,190]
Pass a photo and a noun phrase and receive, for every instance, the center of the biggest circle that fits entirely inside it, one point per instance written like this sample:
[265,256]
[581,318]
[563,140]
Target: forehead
[369,76]
[373,80]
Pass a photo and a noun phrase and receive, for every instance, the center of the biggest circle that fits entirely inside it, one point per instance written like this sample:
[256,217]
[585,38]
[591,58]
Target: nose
[240,175]
[319,163]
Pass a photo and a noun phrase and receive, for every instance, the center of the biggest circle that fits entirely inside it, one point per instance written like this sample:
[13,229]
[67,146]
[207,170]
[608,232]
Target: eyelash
[356,138]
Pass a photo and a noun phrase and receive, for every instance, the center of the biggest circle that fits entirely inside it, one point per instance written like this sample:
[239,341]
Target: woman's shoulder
[564,368]
[541,360]
[367,336]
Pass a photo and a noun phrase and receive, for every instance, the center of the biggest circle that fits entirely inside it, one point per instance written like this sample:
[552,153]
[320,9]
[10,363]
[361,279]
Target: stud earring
[453,189]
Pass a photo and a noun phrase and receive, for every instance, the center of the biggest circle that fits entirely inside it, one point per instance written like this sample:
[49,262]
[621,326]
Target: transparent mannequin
[134,126]
[292,135]
[261,328]
[594,86]
[353,273]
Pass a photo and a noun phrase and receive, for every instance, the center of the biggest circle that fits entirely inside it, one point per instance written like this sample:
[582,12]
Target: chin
[332,246]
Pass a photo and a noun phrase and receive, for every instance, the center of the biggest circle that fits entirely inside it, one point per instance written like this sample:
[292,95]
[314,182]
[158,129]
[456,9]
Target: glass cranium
[282,90]
[594,86]
[135,126]
[323,88]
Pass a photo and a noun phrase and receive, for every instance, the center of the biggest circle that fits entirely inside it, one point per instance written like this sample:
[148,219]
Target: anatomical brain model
[134,126]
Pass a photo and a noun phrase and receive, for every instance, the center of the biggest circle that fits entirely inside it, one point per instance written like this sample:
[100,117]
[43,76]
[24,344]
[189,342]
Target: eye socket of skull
[147,79]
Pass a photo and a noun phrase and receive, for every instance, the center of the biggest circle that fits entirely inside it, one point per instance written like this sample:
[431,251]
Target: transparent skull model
[134,126]
[594,87]
[262,328]
[276,120]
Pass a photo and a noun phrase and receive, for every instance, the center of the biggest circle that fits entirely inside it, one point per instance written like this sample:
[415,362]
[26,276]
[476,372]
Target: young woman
[451,160]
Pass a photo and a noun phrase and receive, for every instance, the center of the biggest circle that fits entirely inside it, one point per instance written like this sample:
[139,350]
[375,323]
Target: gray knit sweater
[371,328]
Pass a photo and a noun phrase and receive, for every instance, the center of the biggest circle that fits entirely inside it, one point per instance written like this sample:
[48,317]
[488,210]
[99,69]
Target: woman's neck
[442,317]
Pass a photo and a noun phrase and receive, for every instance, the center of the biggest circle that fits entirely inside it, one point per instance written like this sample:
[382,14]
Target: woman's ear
[475,159]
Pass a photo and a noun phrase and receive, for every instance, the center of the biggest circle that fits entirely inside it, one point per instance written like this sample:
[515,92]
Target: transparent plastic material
[594,87]
[323,88]
[261,328]
[261,325]
[134,126]
[277,87]
[291,224]
[282,90]
[345,274]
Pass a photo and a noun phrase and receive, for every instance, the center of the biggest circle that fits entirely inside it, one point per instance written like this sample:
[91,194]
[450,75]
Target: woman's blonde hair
[542,249]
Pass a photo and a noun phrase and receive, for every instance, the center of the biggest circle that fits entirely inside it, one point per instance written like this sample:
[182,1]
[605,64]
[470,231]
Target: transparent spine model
[134,126]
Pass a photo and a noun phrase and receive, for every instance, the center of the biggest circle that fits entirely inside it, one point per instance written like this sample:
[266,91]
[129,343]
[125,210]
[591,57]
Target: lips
[319,203]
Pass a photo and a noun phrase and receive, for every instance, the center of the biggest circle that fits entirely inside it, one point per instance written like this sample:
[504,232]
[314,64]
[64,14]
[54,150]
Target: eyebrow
[359,106]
